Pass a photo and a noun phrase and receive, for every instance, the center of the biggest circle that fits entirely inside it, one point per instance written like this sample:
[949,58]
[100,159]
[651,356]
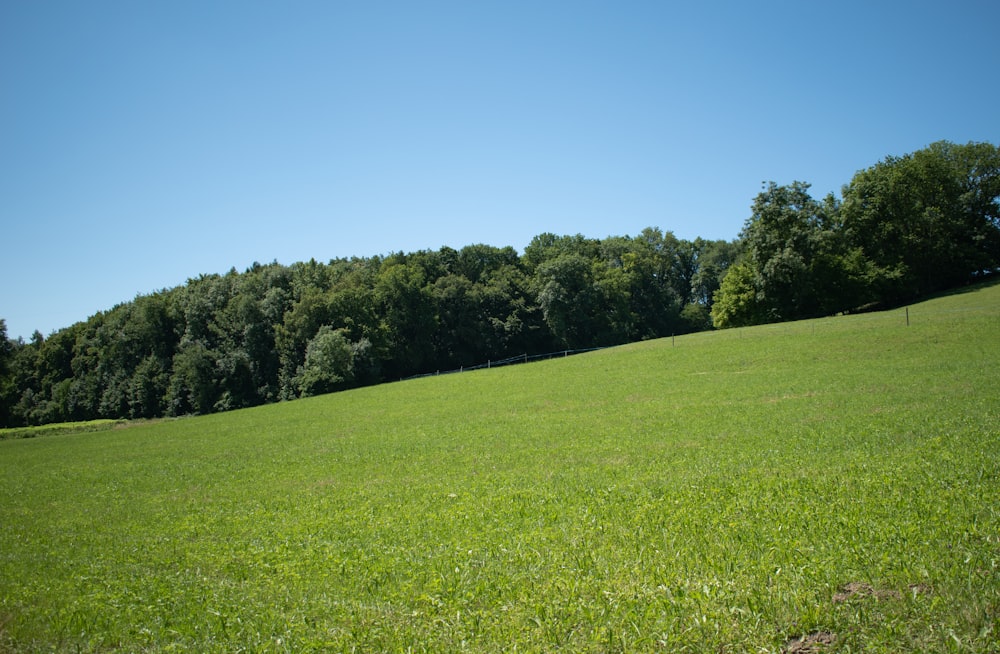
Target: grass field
[828,485]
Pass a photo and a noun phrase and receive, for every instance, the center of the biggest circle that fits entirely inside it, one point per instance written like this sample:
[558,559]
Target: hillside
[830,484]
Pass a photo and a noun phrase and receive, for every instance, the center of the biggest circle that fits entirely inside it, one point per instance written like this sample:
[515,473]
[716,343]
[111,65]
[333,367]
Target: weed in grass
[62,428]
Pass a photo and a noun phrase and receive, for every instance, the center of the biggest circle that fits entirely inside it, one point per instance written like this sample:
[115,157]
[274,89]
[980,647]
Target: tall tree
[7,387]
[737,301]
[659,265]
[194,386]
[406,304]
[569,300]
[462,328]
[330,361]
[796,262]
[714,259]
[928,220]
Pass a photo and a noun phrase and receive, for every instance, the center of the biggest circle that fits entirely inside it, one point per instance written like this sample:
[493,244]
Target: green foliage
[731,491]
[926,221]
[737,302]
[907,227]
[568,298]
[657,271]
[193,385]
[478,262]
[330,361]
[713,258]
[8,390]
[797,262]
[403,296]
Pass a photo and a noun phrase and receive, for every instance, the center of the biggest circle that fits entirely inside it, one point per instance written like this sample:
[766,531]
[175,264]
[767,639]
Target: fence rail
[520,358]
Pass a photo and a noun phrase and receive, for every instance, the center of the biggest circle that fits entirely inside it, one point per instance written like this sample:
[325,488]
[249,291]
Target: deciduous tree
[928,220]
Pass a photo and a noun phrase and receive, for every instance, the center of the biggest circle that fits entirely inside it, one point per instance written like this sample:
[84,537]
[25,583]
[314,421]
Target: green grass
[836,480]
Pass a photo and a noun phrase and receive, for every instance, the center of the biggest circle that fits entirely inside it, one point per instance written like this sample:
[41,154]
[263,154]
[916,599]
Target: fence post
[907,316]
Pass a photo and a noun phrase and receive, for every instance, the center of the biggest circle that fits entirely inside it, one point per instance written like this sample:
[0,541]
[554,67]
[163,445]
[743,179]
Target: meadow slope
[826,485]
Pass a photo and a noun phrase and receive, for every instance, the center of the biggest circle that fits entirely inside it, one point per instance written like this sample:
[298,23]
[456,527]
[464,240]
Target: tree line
[906,227]
[277,332]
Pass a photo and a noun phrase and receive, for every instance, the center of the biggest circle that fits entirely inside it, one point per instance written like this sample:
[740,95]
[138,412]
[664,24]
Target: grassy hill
[828,485]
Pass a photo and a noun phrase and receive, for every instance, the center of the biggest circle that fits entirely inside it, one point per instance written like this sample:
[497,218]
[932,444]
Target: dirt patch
[858,589]
[815,642]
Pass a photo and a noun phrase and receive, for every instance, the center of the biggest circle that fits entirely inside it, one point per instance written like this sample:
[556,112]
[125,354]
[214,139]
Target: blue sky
[145,143]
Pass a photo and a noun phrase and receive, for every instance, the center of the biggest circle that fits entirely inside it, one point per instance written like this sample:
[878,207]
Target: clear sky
[145,143]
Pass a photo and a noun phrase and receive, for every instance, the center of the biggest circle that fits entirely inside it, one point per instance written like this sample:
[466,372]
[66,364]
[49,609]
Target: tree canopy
[926,221]
[906,227]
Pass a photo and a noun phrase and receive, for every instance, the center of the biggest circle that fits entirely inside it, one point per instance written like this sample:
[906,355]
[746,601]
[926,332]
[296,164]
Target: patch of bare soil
[857,589]
[812,644]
